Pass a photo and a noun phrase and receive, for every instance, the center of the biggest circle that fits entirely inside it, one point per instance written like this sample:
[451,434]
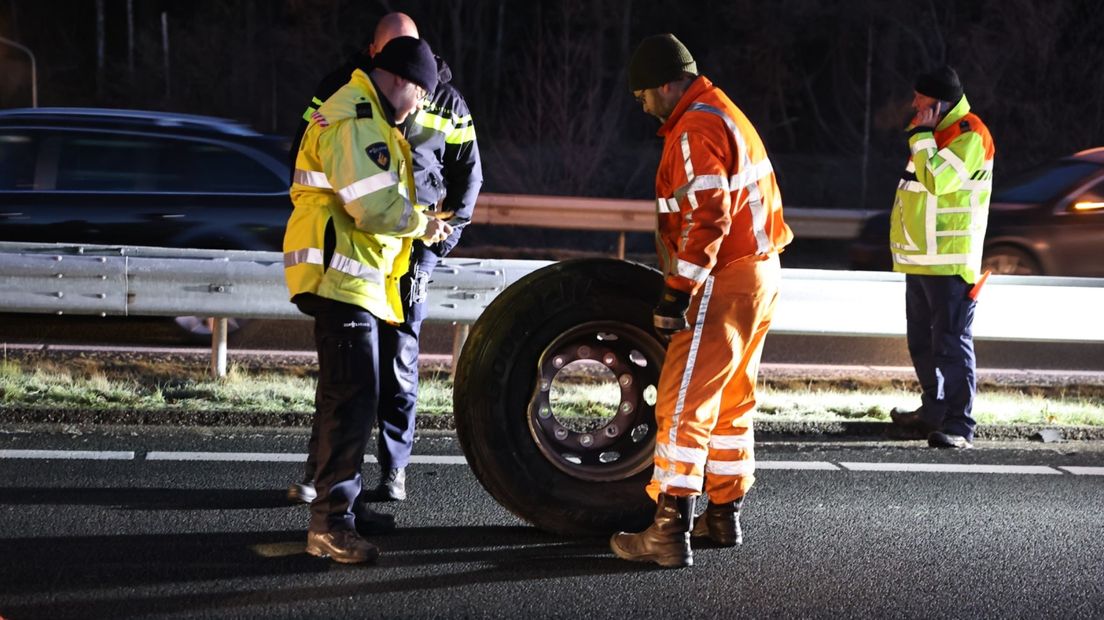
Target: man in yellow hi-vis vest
[937,230]
[346,246]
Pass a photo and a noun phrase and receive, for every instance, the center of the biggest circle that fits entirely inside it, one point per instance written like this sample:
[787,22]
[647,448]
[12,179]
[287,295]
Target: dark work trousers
[346,337]
[940,316]
[398,346]
[398,373]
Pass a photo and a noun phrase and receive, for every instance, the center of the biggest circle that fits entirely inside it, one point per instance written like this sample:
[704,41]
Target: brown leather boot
[667,541]
[720,523]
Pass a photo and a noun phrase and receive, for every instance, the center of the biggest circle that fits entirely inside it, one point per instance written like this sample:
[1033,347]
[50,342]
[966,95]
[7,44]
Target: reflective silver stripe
[911,166]
[667,480]
[927,144]
[356,269]
[691,271]
[931,259]
[931,219]
[684,141]
[952,233]
[952,160]
[967,186]
[910,245]
[305,255]
[945,210]
[730,468]
[311,178]
[752,174]
[755,197]
[732,442]
[667,205]
[691,358]
[368,185]
[682,454]
[703,183]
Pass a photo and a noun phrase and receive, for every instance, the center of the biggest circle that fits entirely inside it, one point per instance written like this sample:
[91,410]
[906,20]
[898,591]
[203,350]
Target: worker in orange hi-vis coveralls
[720,230]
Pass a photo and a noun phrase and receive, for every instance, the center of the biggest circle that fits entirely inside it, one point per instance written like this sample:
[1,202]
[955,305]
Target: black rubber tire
[1010,260]
[496,384]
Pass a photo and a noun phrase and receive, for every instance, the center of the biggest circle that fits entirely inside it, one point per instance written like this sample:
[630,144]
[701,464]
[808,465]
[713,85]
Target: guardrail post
[459,336]
[621,245]
[218,346]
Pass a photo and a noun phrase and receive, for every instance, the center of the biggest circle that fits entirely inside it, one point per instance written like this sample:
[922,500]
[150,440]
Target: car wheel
[1008,260]
[198,328]
[567,467]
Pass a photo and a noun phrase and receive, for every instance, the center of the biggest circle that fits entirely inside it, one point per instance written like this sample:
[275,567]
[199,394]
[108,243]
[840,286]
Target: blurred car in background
[1046,221]
[130,177]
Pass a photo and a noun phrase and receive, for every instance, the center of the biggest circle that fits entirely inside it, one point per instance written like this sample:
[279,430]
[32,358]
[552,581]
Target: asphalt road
[146,529]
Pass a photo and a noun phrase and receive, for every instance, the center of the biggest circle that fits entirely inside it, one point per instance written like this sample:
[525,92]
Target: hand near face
[926,117]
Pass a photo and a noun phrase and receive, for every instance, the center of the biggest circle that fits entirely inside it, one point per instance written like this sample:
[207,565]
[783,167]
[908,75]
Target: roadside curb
[764,427]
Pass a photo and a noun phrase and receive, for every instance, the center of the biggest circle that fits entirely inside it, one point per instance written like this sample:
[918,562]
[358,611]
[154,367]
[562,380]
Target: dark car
[129,177]
[1047,221]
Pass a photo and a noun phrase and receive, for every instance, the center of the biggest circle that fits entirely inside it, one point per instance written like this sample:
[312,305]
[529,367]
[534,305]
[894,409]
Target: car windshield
[1044,183]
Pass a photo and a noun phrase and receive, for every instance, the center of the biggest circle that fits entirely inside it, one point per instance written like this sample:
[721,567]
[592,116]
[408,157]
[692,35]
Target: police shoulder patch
[364,110]
[379,154]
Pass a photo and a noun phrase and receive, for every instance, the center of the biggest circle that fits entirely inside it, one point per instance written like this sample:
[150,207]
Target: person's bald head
[389,27]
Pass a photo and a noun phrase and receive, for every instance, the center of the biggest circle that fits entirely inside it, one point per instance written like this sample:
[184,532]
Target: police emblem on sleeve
[378,153]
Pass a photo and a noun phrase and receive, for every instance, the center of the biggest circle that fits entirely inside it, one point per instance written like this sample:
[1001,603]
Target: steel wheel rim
[622,447]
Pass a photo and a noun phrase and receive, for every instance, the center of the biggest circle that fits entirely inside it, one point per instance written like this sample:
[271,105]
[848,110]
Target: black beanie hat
[410,59]
[659,59]
[941,84]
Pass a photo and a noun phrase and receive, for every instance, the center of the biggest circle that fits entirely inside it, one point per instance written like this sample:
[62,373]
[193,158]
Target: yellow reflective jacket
[942,204]
[353,172]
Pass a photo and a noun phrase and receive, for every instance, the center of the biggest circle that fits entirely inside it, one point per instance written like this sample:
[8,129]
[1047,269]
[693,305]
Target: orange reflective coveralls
[719,232]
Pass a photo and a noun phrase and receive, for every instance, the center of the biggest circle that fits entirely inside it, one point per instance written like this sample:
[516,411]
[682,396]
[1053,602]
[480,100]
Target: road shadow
[147,499]
[204,573]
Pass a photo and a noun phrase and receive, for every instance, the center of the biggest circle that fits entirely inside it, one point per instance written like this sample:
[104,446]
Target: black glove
[669,315]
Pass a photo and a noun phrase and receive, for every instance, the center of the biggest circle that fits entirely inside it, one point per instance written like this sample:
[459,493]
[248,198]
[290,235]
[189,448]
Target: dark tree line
[827,82]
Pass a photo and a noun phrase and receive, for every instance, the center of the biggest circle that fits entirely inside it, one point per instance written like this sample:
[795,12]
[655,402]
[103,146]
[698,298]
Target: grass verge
[166,387]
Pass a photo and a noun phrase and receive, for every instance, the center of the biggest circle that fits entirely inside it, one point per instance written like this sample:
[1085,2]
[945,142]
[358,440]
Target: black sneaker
[939,439]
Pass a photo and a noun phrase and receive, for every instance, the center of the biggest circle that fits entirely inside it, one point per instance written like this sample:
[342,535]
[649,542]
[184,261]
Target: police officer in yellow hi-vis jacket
[346,246]
[937,232]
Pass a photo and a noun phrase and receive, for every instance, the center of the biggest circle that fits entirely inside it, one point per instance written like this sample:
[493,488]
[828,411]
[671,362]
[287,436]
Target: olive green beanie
[659,59]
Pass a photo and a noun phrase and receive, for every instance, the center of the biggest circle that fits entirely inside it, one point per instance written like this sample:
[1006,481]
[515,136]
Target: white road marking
[1084,471]
[952,468]
[89,455]
[279,457]
[283,457]
[251,457]
[820,465]
[438,460]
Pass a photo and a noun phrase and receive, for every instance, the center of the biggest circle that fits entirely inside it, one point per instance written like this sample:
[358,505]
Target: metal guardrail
[116,281]
[143,281]
[637,215]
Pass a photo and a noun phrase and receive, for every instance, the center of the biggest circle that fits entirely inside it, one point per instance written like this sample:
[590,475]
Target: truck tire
[575,482]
